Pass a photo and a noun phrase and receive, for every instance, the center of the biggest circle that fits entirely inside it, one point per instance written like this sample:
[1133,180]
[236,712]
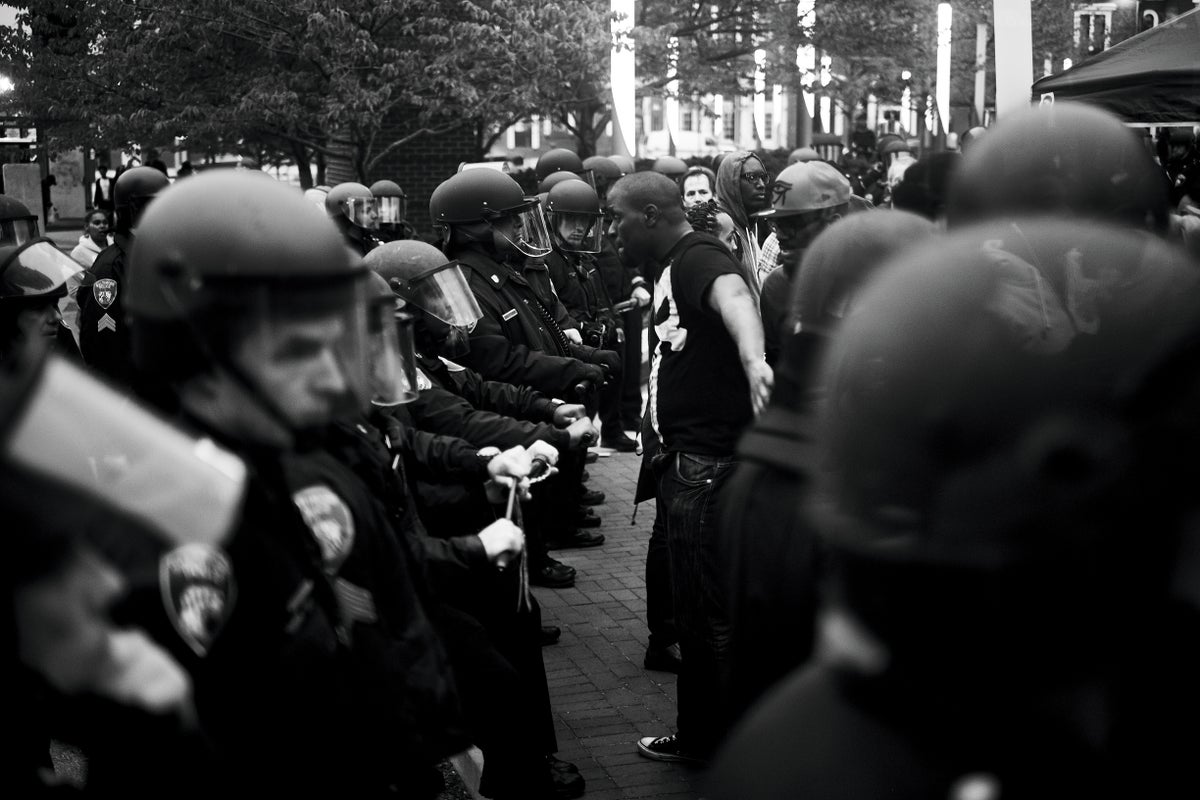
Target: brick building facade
[418,167]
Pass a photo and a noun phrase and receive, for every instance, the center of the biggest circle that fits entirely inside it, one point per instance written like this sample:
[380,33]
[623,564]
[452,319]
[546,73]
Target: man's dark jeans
[690,488]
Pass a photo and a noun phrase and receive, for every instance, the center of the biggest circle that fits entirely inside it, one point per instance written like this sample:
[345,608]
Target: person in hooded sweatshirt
[93,239]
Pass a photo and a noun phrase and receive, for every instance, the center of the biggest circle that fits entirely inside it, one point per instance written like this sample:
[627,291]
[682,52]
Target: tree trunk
[320,168]
[300,159]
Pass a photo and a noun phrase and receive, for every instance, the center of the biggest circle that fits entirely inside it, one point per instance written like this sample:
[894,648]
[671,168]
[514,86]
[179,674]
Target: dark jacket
[103,331]
[518,340]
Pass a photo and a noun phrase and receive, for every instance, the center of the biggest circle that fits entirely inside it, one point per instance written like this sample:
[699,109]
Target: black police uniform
[326,675]
[494,650]
[103,331]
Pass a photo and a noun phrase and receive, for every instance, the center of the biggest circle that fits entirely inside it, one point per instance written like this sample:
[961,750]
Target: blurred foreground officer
[327,676]
[771,555]
[103,329]
[76,672]
[1008,490]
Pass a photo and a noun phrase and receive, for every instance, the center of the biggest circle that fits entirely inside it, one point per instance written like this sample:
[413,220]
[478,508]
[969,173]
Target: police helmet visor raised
[38,268]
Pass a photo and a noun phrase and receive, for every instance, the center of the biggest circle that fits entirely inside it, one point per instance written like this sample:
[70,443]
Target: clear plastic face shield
[578,232]
[391,355]
[442,292]
[37,268]
[362,211]
[16,232]
[392,210]
[522,230]
[304,349]
[76,431]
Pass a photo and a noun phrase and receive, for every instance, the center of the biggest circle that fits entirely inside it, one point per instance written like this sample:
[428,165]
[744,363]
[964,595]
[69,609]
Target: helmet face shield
[362,211]
[305,351]
[443,293]
[577,232]
[392,210]
[38,268]
[18,231]
[391,356]
[523,228]
[79,432]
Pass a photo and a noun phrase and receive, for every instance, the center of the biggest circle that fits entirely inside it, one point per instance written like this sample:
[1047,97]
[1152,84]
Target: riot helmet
[604,171]
[554,179]
[559,159]
[199,303]
[802,154]
[488,207]
[353,203]
[1067,159]
[393,204]
[575,217]
[391,358]
[133,191]
[624,163]
[670,166]
[1007,416]
[421,276]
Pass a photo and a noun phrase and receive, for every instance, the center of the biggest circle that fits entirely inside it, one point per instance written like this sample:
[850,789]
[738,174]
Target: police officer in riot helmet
[393,211]
[355,211]
[525,335]
[1003,480]
[328,663]
[103,329]
[34,276]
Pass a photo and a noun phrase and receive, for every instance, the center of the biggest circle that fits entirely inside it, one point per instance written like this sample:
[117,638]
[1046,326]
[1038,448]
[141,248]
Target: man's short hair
[642,189]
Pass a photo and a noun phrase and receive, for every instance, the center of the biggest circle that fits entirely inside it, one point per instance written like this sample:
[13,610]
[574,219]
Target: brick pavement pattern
[603,699]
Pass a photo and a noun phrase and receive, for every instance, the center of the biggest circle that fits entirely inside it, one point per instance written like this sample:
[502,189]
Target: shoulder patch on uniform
[330,521]
[105,291]
[198,592]
[507,315]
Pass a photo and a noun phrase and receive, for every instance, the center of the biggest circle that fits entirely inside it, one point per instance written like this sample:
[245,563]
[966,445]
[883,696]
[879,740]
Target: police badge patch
[198,593]
[105,292]
[330,522]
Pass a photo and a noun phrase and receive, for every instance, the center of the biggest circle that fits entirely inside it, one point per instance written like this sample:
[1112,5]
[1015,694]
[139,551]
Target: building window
[688,120]
[1093,24]
[769,124]
[523,137]
[656,114]
[730,127]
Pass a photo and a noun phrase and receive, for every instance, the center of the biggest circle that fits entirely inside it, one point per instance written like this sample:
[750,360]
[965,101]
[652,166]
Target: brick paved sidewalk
[602,697]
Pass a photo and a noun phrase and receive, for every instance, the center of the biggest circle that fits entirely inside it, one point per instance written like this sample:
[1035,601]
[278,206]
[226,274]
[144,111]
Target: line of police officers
[357,606]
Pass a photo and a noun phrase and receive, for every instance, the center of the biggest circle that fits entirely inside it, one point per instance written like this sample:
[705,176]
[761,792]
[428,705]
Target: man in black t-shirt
[707,381]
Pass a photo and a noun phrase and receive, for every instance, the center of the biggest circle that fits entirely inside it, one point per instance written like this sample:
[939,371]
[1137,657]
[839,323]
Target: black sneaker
[591,458]
[666,748]
[550,635]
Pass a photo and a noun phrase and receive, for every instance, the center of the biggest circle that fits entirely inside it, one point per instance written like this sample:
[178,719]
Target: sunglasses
[756,177]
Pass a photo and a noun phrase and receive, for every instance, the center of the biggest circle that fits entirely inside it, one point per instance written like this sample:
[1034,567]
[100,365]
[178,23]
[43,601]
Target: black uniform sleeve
[439,411]
[103,332]
[508,399]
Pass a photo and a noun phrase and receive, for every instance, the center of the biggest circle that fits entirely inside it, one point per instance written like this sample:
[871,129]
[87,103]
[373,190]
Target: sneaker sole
[573,545]
[671,758]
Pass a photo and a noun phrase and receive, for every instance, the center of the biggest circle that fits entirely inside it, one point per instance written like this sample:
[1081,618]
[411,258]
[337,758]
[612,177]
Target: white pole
[945,27]
[981,40]
[1014,54]
[624,79]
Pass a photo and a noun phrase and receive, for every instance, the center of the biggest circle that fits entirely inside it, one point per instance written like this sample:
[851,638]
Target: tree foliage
[302,77]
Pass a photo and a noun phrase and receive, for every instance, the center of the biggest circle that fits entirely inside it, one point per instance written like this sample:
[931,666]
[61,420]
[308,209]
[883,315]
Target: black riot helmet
[133,191]
[559,159]
[393,205]
[605,173]
[1066,159]
[672,167]
[488,207]
[354,204]
[421,276]
[33,271]
[575,217]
